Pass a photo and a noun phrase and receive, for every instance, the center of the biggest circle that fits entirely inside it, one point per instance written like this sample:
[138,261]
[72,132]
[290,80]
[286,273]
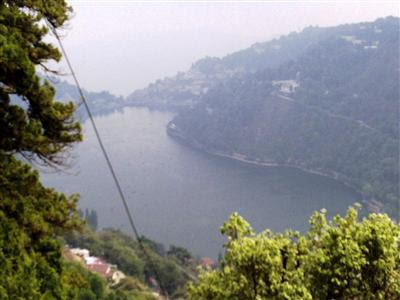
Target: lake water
[181,196]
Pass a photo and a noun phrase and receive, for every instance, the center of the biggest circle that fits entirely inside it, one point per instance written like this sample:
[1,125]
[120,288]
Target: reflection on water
[182,196]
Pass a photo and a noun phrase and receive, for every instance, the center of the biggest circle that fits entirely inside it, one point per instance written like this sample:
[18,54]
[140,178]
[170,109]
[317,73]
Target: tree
[348,259]
[35,127]
[340,259]
[45,128]
[94,221]
[180,253]
[91,218]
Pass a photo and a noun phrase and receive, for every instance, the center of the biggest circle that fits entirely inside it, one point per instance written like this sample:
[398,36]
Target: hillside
[186,88]
[333,110]
[157,268]
[324,100]
[100,103]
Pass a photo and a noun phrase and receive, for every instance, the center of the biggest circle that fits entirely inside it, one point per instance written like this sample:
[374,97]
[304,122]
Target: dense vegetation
[333,110]
[341,259]
[173,267]
[31,216]
[186,88]
[85,285]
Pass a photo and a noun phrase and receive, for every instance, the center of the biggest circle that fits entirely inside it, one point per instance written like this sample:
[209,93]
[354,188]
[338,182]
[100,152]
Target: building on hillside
[94,264]
[117,276]
[99,267]
[80,252]
[72,256]
[208,263]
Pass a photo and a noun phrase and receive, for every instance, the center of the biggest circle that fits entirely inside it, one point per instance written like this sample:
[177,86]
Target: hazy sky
[120,46]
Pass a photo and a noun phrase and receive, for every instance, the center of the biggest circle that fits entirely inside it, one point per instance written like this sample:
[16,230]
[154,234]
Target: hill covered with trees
[332,110]
[160,268]
[100,103]
[186,88]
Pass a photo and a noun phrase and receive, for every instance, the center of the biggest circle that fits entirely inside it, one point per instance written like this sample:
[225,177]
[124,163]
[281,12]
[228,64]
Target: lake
[181,196]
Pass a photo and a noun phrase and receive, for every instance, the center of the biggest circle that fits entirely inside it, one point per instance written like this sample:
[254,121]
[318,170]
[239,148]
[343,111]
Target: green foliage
[43,128]
[31,216]
[85,285]
[37,128]
[131,288]
[90,217]
[181,254]
[122,250]
[113,246]
[341,259]
[350,259]
[156,247]
[167,272]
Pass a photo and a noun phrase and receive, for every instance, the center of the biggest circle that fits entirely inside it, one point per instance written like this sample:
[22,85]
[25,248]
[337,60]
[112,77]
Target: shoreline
[371,204]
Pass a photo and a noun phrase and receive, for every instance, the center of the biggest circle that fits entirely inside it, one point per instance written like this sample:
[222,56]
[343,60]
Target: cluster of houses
[94,264]
[110,272]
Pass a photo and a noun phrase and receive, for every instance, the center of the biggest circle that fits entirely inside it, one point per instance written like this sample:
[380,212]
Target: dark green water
[182,196]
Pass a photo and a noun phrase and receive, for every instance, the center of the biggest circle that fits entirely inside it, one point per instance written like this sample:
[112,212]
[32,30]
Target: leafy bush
[341,259]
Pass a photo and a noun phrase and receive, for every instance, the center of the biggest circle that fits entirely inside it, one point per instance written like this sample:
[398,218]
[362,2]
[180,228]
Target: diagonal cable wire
[107,158]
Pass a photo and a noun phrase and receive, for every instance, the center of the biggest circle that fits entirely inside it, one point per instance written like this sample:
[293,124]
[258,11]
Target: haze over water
[181,196]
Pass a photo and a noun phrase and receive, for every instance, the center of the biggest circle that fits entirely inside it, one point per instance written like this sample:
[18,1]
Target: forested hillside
[332,110]
[100,103]
[166,270]
[186,88]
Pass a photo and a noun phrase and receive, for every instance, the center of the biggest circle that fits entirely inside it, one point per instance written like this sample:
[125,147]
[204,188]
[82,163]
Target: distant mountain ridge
[186,88]
[100,103]
[324,100]
[333,109]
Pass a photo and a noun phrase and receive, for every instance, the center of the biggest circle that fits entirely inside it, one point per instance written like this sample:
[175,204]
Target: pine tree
[39,129]
[91,218]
